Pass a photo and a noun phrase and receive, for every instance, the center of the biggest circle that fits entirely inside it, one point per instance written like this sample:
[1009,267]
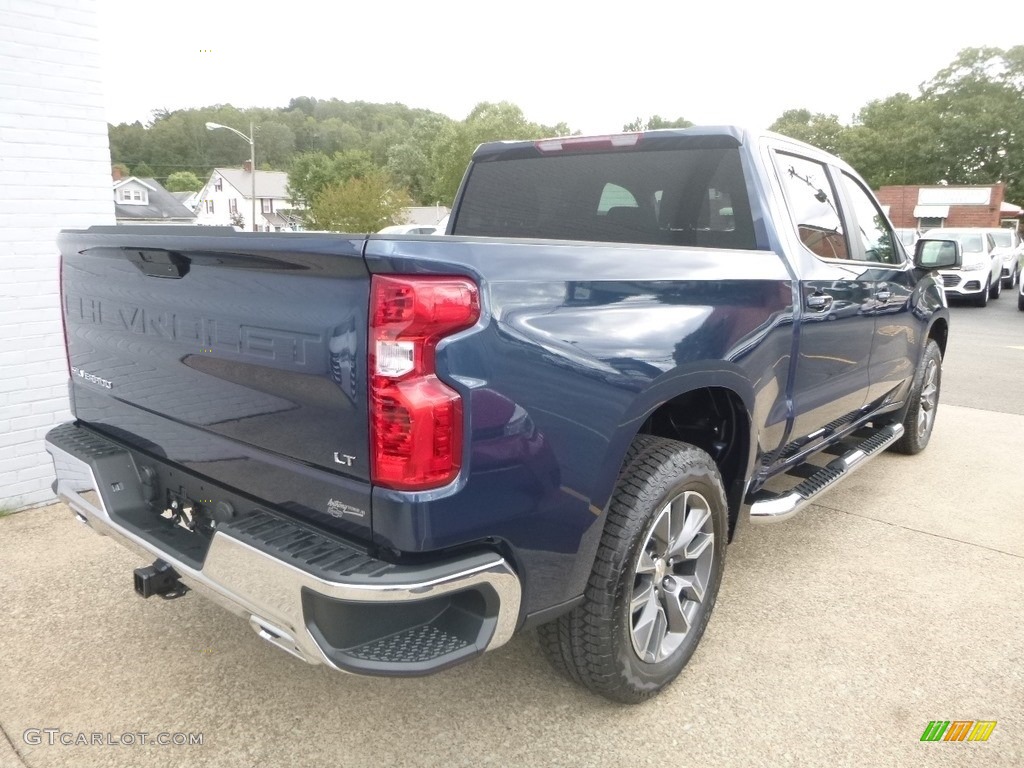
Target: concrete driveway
[837,637]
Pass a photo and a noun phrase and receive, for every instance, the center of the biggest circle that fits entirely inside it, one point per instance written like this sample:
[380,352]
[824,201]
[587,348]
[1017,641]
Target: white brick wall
[54,174]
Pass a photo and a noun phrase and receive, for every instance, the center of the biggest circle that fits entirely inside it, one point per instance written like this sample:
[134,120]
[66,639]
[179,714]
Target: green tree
[275,144]
[360,204]
[409,161]
[895,141]
[450,151]
[312,172]
[183,181]
[143,171]
[655,122]
[820,130]
[979,104]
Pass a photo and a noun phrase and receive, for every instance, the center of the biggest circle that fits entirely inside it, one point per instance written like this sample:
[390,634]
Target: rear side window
[812,203]
[650,196]
[615,196]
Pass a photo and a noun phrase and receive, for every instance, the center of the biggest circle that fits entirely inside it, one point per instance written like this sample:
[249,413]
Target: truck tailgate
[241,356]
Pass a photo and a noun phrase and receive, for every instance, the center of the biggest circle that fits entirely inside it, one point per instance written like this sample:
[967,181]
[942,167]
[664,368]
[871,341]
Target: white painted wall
[54,174]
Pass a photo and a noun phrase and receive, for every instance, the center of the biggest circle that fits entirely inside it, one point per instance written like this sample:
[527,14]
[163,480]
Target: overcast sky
[595,65]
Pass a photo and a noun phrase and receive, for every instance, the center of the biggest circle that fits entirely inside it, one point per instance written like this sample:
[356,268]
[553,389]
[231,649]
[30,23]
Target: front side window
[876,238]
[811,201]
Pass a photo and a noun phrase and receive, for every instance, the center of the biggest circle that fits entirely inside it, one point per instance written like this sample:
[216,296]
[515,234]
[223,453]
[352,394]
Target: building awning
[275,220]
[1009,209]
[931,211]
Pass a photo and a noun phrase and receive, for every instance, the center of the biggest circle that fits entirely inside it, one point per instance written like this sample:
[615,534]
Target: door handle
[819,302]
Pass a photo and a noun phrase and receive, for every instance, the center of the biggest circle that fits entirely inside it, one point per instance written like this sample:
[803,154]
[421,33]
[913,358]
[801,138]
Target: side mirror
[932,253]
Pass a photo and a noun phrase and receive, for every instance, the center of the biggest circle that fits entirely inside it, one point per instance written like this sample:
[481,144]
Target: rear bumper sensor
[309,593]
[768,507]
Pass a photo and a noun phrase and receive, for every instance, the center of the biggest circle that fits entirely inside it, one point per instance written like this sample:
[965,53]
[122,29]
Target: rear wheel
[995,288]
[924,403]
[655,578]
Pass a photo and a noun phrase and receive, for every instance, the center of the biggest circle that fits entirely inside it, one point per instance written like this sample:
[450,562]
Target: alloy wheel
[673,568]
[929,399]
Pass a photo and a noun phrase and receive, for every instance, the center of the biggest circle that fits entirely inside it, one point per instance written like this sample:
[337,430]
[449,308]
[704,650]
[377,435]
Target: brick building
[927,207]
[54,174]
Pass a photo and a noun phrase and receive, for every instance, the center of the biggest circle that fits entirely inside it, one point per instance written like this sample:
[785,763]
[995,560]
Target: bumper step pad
[311,593]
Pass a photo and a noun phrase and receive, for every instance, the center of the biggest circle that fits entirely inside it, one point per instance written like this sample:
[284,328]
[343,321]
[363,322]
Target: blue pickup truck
[390,454]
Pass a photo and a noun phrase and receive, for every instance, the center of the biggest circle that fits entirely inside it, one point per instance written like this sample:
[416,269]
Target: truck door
[836,325]
[897,340]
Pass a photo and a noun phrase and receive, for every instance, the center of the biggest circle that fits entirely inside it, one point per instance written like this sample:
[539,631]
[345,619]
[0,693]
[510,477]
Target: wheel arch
[939,331]
[710,409]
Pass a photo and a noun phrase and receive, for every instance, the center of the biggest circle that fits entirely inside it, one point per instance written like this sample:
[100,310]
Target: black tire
[924,403]
[595,644]
[1011,279]
[1020,301]
[995,288]
[981,300]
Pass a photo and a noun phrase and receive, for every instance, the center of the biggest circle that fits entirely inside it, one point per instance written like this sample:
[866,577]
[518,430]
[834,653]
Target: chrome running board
[770,508]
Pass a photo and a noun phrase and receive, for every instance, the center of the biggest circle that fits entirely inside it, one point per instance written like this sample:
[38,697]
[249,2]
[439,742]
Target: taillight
[415,418]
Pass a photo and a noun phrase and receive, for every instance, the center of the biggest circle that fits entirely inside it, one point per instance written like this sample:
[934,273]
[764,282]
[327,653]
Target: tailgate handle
[157,262]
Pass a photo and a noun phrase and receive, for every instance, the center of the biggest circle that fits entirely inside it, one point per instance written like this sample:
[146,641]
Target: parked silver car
[979,277]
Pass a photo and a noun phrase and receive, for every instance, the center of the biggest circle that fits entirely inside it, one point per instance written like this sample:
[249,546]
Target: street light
[251,138]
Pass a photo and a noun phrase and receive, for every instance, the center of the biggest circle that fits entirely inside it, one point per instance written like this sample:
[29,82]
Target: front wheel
[655,578]
[996,288]
[1011,279]
[924,403]
[981,300]
[1020,300]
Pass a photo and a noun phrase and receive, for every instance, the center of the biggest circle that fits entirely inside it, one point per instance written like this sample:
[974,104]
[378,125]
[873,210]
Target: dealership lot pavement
[837,637]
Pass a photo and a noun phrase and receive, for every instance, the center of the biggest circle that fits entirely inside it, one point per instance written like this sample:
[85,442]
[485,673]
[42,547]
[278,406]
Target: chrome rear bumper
[303,609]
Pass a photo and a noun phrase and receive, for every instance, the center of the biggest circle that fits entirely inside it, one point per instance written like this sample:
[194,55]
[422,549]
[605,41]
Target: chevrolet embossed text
[284,346]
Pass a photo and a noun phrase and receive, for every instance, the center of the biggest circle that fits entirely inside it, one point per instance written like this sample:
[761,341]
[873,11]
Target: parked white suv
[1009,247]
[980,275]
[1020,283]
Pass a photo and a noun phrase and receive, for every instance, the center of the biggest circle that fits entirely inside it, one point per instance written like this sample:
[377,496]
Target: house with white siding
[226,200]
[145,201]
[54,174]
